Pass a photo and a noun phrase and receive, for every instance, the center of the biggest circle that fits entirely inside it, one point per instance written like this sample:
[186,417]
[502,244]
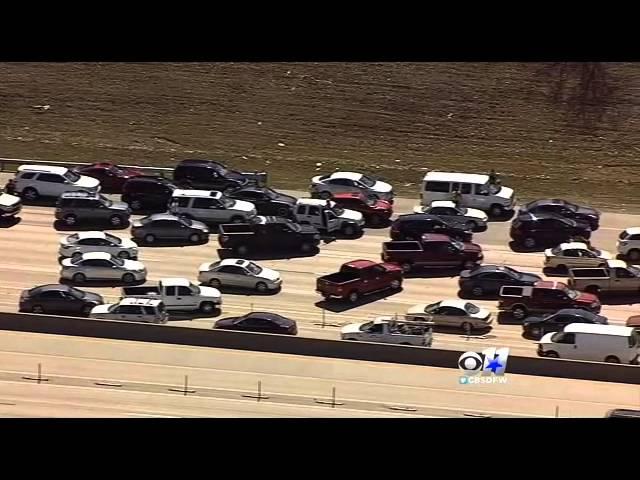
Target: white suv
[210,206]
[132,310]
[629,243]
[34,181]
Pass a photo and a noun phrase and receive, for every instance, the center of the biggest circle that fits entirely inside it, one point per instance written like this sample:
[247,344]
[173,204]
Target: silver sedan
[84,242]
[234,272]
[102,266]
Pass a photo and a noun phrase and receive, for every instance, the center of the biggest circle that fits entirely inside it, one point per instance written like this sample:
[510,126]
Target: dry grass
[396,120]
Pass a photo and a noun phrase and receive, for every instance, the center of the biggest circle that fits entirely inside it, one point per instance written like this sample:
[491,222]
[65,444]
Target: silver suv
[35,181]
[78,207]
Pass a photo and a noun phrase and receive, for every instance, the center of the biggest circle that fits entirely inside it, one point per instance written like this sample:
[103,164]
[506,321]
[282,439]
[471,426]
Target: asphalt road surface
[29,250]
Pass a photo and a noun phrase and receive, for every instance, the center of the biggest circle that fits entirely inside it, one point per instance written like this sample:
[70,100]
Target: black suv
[148,193]
[59,299]
[489,279]
[536,327]
[548,229]
[208,175]
[564,209]
[414,225]
[266,200]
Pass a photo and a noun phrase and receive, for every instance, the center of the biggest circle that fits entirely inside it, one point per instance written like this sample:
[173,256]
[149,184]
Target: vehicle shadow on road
[341,236]
[167,244]
[188,316]
[432,273]
[41,202]
[380,226]
[339,306]
[60,226]
[10,222]
[515,247]
[266,255]
[477,332]
[506,318]
[619,299]
[468,296]
[555,272]
[244,291]
[101,283]
[508,215]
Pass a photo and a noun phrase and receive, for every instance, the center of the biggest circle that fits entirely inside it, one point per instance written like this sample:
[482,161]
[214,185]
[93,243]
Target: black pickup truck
[268,233]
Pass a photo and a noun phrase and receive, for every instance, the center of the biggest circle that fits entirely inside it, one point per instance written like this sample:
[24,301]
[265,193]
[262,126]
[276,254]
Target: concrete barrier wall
[306,346]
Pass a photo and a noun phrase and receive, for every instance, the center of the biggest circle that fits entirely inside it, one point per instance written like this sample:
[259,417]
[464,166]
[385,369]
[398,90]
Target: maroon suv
[374,210]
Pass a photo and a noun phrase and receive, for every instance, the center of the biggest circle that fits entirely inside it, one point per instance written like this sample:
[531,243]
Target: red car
[374,210]
[358,278]
[112,177]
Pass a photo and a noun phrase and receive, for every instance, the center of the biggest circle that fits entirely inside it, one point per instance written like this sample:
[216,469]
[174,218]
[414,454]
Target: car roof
[196,161]
[528,216]
[454,302]
[575,311]
[633,230]
[434,176]
[348,195]
[360,263]
[149,178]
[147,302]
[233,261]
[571,245]
[175,282]
[314,201]
[196,193]
[348,175]
[96,256]
[417,216]
[49,287]
[162,216]
[80,194]
[552,285]
[435,237]
[489,268]
[279,319]
[92,234]
[443,203]
[616,264]
[43,168]
[616,330]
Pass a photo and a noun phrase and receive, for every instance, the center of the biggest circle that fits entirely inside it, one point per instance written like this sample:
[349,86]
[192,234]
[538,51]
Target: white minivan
[592,342]
[475,190]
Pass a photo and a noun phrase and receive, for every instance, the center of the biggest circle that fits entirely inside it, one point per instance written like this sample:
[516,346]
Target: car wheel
[30,194]
[242,250]
[519,312]
[37,309]
[128,278]
[496,211]
[70,220]
[116,221]
[261,287]
[467,327]
[612,359]
[634,255]
[136,205]
[471,226]
[124,255]
[529,242]
[149,238]
[207,307]
[477,291]
[306,247]
[395,284]
[551,354]
[406,267]
[194,238]
[237,219]
[79,278]
[215,283]
[325,195]
[353,297]
[375,220]
[348,230]
[282,212]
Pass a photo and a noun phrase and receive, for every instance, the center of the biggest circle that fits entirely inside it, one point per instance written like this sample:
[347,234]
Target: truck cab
[326,216]
[178,294]
[615,277]
[390,329]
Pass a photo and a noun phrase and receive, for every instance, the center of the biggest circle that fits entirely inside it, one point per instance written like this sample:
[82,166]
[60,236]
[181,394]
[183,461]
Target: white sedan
[575,255]
[447,208]
[452,313]
[235,272]
[83,242]
[350,182]
[102,266]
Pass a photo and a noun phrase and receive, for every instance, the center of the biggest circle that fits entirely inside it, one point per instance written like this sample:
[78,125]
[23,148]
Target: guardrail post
[259,396]
[557,411]
[39,378]
[323,317]
[185,390]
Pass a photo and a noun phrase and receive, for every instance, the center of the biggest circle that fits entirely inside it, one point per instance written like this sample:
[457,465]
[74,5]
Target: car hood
[204,267]
[7,200]
[316,179]
[209,292]
[475,213]
[269,274]
[282,197]
[351,215]
[119,206]
[546,339]
[67,263]
[505,192]
[225,322]
[588,212]
[133,265]
[93,297]
[382,205]
[588,298]
[101,309]
[198,225]
[352,328]
[87,182]
[382,187]
[606,255]
[532,320]
[243,206]
[530,277]
[128,243]
[483,314]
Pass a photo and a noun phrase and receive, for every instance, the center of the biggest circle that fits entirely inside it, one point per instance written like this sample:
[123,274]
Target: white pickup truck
[326,216]
[178,294]
[390,330]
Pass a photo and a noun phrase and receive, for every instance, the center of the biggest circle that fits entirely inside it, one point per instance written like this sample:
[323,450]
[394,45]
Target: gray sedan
[165,227]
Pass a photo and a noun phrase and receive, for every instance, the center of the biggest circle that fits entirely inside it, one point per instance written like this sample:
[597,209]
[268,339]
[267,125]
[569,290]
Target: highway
[30,258]
[85,377]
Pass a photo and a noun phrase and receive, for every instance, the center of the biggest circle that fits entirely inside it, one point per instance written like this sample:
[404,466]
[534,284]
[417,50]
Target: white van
[592,342]
[475,190]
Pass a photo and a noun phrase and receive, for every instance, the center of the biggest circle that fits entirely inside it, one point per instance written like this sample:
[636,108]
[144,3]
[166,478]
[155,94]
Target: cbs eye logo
[491,361]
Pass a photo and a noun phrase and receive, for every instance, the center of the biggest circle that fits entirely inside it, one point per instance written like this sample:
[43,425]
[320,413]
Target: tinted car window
[202,203]
[50,177]
[183,202]
[442,187]
[465,188]
[27,175]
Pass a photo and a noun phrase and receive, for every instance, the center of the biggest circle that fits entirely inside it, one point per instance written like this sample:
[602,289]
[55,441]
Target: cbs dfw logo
[488,367]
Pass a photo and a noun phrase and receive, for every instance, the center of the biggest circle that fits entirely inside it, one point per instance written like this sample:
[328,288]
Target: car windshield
[471,308]
[337,210]
[106,201]
[186,221]
[556,251]
[270,193]
[117,261]
[623,235]
[432,307]
[371,200]
[227,202]
[113,239]
[457,244]
[366,326]
[116,170]
[572,294]
[73,238]
[513,272]
[71,176]
[571,206]
[635,270]
[494,189]
[253,268]
[76,293]
[367,182]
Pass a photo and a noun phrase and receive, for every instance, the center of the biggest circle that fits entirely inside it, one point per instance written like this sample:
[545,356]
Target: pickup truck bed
[340,277]
[402,246]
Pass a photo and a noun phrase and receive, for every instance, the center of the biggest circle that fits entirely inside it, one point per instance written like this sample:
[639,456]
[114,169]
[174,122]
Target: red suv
[375,211]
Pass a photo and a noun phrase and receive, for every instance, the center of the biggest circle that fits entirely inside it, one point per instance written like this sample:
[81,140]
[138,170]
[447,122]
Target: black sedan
[564,209]
[414,225]
[266,200]
[536,327]
[260,322]
[489,279]
[59,299]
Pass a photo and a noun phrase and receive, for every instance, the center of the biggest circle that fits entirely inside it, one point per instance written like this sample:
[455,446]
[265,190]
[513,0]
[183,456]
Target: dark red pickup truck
[545,297]
[358,278]
[433,251]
